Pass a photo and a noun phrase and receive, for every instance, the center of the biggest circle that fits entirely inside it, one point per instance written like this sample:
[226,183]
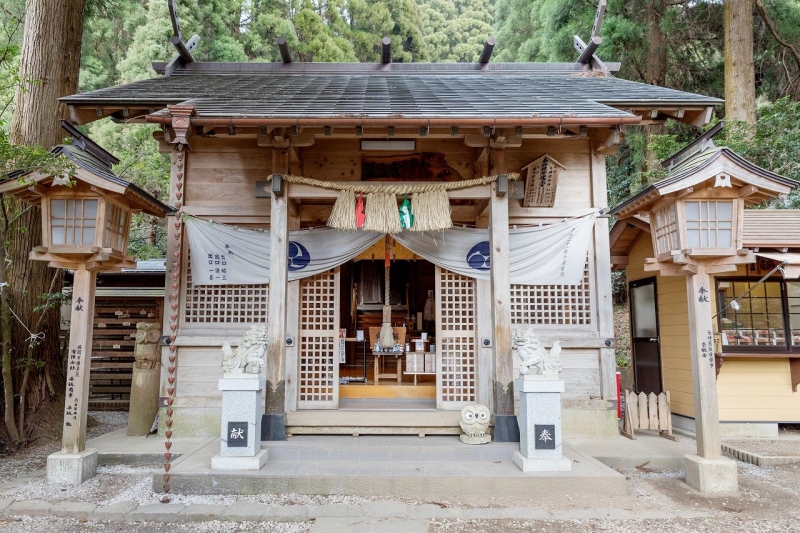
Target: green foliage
[774,143]
[456,30]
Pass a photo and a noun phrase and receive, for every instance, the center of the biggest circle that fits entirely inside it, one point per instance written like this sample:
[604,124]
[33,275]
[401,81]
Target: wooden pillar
[275,401]
[484,365]
[79,361]
[602,282]
[704,382]
[506,428]
[292,327]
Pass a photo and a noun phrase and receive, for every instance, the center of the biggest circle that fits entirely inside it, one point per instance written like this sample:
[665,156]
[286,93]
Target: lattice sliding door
[456,343]
[318,365]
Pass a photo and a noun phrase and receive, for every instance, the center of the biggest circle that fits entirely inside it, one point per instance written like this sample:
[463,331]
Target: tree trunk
[5,343]
[740,81]
[49,69]
[657,44]
[656,70]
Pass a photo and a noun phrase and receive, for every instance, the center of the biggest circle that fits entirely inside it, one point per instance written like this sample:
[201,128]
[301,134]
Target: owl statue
[474,423]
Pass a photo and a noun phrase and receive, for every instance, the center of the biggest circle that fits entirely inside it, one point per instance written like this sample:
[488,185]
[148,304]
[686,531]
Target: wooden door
[456,340]
[645,336]
[318,365]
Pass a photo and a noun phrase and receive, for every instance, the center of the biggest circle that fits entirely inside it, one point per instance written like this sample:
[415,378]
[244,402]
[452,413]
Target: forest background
[674,43]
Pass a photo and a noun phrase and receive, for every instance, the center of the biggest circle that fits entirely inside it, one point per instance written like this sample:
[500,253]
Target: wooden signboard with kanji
[541,182]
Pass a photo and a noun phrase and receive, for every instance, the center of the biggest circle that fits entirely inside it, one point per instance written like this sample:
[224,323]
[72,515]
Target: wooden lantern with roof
[86,218]
[695,217]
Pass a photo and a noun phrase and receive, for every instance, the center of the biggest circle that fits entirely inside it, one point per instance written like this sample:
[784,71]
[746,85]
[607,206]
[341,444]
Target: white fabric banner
[553,254]
[226,255]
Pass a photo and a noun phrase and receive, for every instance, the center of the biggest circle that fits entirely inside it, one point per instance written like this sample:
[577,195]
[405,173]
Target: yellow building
[755,305]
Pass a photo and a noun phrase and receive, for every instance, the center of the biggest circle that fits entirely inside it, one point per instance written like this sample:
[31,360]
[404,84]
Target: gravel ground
[51,524]
[34,457]
[654,501]
[784,446]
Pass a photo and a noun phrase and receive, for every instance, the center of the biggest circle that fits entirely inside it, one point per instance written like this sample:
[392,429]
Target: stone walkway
[387,515]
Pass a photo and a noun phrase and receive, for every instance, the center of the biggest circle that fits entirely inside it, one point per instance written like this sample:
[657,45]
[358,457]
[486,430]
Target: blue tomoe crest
[299,258]
[478,256]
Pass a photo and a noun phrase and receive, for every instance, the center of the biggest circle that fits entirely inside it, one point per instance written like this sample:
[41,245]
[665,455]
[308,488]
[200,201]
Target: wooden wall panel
[757,390]
[199,371]
[223,173]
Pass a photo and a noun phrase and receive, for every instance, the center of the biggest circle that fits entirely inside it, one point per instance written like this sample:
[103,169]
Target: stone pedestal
[711,476]
[71,468]
[240,442]
[540,425]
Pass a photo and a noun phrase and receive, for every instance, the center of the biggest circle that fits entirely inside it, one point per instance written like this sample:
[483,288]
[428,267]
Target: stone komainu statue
[533,355]
[249,356]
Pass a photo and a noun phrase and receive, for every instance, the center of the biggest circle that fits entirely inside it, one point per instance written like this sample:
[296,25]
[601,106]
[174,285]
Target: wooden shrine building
[236,133]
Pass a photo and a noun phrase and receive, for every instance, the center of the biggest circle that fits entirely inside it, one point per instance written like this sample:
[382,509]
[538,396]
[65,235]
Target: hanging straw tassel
[343,212]
[381,212]
[431,211]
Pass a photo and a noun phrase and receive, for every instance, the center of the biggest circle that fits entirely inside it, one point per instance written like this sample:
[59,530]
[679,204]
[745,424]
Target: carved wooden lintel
[425,166]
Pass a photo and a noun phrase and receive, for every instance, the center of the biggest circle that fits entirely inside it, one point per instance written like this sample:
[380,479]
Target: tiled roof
[90,163]
[695,164]
[433,93]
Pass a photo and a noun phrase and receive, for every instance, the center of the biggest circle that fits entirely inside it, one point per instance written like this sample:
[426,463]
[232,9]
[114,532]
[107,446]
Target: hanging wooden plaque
[541,182]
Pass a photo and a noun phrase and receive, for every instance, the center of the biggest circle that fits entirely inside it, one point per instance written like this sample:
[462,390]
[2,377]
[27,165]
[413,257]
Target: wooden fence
[644,411]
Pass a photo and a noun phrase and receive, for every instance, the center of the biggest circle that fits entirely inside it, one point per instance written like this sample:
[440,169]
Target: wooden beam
[486,54]
[586,51]
[476,141]
[747,190]
[621,260]
[283,48]
[607,139]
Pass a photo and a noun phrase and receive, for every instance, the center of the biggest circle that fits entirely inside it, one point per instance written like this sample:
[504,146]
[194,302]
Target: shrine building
[280,174]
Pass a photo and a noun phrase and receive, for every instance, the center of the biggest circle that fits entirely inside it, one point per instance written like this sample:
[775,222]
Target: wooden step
[406,390]
[367,422]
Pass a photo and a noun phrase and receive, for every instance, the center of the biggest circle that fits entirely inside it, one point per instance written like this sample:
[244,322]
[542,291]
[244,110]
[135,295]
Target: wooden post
[79,361]
[292,326]
[602,278]
[704,382]
[501,311]
[275,401]
[484,364]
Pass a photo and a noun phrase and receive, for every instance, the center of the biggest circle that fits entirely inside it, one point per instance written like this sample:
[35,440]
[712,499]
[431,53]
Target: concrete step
[387,448]
[387,467]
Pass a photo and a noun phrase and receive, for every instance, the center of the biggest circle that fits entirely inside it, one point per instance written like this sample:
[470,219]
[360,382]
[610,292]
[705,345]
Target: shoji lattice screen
[553,305]
[455,339]
[318,367]
[217,304]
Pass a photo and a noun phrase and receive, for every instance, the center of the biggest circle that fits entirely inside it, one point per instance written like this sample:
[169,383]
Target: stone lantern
[85,223]
[695,217]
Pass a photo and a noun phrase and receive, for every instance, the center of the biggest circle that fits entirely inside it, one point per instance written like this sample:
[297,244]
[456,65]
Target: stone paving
[378,511]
